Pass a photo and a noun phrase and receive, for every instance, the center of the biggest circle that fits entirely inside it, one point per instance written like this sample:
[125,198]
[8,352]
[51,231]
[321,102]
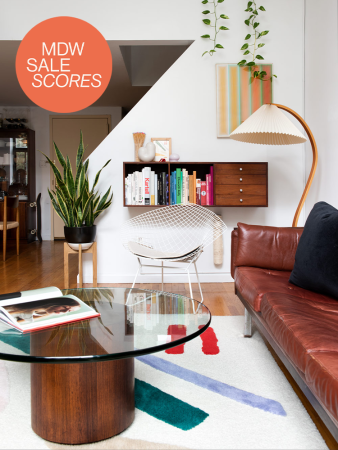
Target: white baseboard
[156,278]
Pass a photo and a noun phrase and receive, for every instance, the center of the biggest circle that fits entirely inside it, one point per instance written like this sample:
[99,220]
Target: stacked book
[185,188]
[147,188]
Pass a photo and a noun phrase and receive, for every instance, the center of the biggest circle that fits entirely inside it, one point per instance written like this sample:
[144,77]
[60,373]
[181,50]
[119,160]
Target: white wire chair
[175,234]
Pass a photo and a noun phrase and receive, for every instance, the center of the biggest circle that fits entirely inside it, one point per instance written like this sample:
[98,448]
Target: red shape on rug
[209,341]
[176,332]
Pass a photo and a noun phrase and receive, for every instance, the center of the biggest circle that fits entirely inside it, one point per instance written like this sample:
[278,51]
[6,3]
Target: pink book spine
[208,189]
[211,185]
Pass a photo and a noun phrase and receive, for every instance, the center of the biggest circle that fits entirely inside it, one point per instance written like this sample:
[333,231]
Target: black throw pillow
[316,262]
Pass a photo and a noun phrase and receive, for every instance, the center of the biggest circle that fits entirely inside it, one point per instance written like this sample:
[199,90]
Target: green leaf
[255,12]
[223,16]
[263,33]
[62,205]
[70,180]
[219,46]
[206,36]
[247,22]
[205,2]
[241,63]
[261,45]
[263,73]
[99,172]
[86,164]
[223,28]
[244,47]
[206,12]
[59,156]
[204,53]
[80,152]
[53,166]
[256,24]
[274,76]
[251,17]
[220,1]
[249,4]
[259,57]
[103,199]
[206,21]
[246,53]
[248,36]
[262,8]
[251,64]
[256,73]
[212,51]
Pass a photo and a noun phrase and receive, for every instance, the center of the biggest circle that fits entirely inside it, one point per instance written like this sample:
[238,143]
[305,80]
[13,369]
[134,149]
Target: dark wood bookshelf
[235,184]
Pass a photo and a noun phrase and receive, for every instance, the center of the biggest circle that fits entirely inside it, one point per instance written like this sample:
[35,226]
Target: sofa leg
[248,324]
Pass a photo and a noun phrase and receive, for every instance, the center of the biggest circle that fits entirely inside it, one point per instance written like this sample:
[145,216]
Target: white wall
[182,104]
[39,122]
[321,97]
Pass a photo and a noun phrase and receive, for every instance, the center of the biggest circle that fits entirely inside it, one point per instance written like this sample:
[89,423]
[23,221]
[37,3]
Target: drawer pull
[241,179]
[241,190]
[241,200]
[240,168]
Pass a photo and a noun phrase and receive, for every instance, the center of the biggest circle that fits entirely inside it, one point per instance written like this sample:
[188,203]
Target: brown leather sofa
[300,325]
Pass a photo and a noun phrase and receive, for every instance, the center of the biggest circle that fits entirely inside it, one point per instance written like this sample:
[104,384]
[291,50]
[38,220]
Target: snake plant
[73,200]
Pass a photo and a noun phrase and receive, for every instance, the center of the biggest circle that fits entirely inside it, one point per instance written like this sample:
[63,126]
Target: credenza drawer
[223,179]
[241,200]
[241,169]
[234,189]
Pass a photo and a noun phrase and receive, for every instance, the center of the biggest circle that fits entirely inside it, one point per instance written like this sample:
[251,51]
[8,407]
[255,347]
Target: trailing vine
[252,48]
[215,3]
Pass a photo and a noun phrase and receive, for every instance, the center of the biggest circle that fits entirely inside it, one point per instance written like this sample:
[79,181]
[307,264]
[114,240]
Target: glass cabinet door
[14,165]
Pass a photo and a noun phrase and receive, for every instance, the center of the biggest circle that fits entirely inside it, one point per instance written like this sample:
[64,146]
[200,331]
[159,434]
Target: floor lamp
[268,125]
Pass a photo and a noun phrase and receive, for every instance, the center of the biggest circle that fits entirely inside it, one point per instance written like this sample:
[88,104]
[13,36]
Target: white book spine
[146,174]
[129,189]
[140,188]
[155,184]
[126,191]
[183,186]
[135,188]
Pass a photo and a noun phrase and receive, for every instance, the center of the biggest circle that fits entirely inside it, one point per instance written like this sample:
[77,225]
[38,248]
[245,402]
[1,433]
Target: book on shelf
[179,187]
[42,308]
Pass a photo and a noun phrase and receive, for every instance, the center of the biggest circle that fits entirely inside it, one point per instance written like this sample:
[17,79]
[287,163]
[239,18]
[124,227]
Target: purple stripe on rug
[256,401]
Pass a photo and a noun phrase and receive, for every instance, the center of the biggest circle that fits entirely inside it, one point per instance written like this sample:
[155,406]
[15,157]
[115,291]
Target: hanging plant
[213,25]
[252,45]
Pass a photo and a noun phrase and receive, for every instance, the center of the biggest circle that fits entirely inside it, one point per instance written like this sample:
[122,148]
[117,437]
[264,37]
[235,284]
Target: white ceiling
[120,91]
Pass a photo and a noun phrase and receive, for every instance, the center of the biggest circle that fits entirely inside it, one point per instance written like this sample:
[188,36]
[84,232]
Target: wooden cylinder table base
[82,403]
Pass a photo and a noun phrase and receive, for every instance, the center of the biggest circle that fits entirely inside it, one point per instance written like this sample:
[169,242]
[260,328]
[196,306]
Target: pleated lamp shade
[270,126]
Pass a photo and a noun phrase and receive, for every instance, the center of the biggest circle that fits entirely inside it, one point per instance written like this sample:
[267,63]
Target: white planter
[147,153]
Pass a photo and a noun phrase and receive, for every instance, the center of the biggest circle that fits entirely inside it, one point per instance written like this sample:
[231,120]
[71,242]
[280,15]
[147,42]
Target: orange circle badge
[64,64]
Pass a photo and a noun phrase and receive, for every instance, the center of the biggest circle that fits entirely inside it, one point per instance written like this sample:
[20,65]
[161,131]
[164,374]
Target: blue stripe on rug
[167,408]
[18,340]
[256,401]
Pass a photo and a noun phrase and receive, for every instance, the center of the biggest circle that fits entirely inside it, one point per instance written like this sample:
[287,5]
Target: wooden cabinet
[235,184]
[17,177]
[241,184]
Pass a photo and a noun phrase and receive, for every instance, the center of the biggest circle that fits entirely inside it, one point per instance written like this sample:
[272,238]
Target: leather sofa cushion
[301,325]
[253,283]
[267,247]
[321,374]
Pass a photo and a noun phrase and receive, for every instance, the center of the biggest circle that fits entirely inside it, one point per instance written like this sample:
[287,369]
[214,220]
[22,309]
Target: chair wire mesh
[183,230]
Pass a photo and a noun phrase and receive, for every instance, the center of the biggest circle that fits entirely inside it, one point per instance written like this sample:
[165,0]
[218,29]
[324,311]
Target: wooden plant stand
[68,251]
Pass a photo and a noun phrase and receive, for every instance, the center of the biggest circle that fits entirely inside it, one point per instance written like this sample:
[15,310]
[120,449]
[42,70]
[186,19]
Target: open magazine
[42,308]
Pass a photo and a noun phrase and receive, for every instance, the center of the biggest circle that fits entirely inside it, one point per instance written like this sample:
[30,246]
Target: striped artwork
[237,96]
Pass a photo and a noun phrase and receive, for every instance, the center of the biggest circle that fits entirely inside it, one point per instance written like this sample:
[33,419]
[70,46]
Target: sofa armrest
[234,247]
[265,247]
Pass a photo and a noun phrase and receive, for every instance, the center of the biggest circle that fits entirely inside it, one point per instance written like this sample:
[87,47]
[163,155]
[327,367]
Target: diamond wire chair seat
[176,233]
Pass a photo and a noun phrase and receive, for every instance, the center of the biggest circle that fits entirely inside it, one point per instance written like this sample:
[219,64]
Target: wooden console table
[69,251]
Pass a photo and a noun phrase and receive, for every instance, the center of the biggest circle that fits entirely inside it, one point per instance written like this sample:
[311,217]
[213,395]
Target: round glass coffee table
[74,402]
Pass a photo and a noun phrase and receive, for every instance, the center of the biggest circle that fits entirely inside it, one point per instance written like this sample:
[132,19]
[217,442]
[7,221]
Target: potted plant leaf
[73,200]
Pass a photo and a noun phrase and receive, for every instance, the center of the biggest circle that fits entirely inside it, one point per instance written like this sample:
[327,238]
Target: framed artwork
[239,95]
[163,148]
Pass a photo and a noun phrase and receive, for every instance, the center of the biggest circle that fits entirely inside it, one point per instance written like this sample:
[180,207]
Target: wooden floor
[41,265]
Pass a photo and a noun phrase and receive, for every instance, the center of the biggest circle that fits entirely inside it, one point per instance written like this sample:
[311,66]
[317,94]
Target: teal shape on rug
[167,408]
[18,340]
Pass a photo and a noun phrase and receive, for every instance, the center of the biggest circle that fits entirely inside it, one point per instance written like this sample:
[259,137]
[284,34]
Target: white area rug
[232,423]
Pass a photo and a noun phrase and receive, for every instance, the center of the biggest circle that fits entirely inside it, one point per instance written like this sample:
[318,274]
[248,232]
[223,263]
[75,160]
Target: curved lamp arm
[314,159]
